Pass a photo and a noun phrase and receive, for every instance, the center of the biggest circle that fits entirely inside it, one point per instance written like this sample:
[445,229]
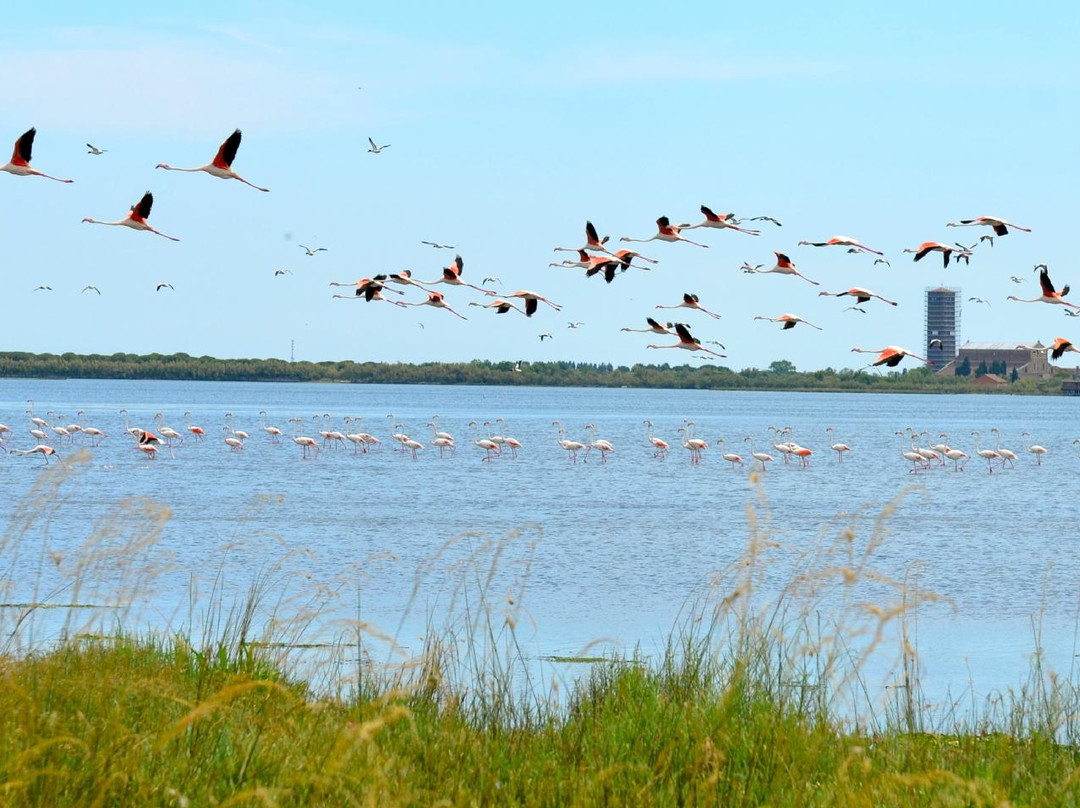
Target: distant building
[942,322]
[1027,360]
[989,380]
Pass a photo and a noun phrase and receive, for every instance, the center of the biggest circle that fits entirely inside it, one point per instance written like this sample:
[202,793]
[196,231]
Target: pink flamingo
[20,167]
[666,231]
[690,301]
[221,165]
[784,266]
[136,218]
[45,451]
[721,221]
[840,241]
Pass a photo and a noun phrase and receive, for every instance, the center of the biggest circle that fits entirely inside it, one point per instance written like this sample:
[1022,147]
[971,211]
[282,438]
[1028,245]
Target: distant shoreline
[183,367]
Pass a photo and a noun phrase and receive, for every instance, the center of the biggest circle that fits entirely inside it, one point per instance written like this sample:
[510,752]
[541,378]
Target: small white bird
[1072,312]
[979,300]
[855,308]
[434,244]
[490,279]
[310,251]
[748,268]
[574,325]
[91,288]
[1014,278]
[94,149]
[42,288]
[376,149]
[517,366]
[282,272]
[161,286]
[546,335]
[882,261]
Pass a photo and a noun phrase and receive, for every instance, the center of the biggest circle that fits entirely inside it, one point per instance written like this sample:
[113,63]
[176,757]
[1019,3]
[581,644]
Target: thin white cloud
[626,64]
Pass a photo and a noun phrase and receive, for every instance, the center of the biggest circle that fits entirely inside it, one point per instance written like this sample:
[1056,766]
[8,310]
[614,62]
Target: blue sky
[509,128]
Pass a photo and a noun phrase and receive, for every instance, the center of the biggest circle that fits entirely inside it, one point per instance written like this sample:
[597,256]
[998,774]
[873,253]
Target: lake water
[608,552]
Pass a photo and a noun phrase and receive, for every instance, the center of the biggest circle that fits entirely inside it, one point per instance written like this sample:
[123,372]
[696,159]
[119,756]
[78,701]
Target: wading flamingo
[761,457]
[989,455]
[911,454]
[45,451]
[730,457]
[1035,449]
[489,446]
[602,446]
[572,447]
[1007,455]
[837,447]
[660,446]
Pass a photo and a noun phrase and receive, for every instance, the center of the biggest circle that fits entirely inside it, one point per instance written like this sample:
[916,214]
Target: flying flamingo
[687,341]
[789,321]
[531,299]
[20,167]
[221,165]
[841,241]
[1001,227]
[690,301]
[601,446]
[761,457]
[501,306]
[41,449]
[654,328]
[368,288]
[572,447]
[1060,347]
[721,221]
[592,242]
[136,218]
[584,261]
[486,444]
[839,448]
[659,445]
[1035,449]
[730,457]
[860,294]
[987,454]
[403,278]
[666,231]
[452,276]
[436,299]
[890,355]
[1049,295]
[1007,455]
[928,247]
[784,266]
[620,261]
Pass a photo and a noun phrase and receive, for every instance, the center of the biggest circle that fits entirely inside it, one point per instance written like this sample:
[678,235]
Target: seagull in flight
[746,267]
[1072,312]
[94,149]
[758,219]
[282,272]
[310,251]
[987,237]
[161,286]
[574,325]
[91,288]
[376,149]
[517,366]
[855,308]
[1015,279]
[42,288]
[436,244]
[881,261]
[546,335]
[491,280]
[979,300]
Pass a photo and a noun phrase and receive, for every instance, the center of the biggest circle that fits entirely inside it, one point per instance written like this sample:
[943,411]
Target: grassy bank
[762,696]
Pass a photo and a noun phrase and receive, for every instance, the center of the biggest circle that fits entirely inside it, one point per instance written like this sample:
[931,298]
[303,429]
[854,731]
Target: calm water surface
[608,552]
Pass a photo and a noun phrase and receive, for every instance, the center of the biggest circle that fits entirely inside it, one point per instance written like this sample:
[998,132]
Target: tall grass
[766,692]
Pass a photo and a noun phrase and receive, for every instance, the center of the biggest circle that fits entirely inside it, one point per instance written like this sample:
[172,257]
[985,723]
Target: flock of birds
[593,256]
[489,436]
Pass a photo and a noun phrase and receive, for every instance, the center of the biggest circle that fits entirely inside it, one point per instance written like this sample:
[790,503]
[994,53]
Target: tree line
[780,375]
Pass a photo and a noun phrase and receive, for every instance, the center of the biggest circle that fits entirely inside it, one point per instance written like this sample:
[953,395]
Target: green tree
[782,366]
[982,369]
[964,368]
[1014,377]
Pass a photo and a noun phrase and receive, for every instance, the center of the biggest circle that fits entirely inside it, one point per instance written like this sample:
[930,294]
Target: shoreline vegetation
[781,375]
[760,697]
